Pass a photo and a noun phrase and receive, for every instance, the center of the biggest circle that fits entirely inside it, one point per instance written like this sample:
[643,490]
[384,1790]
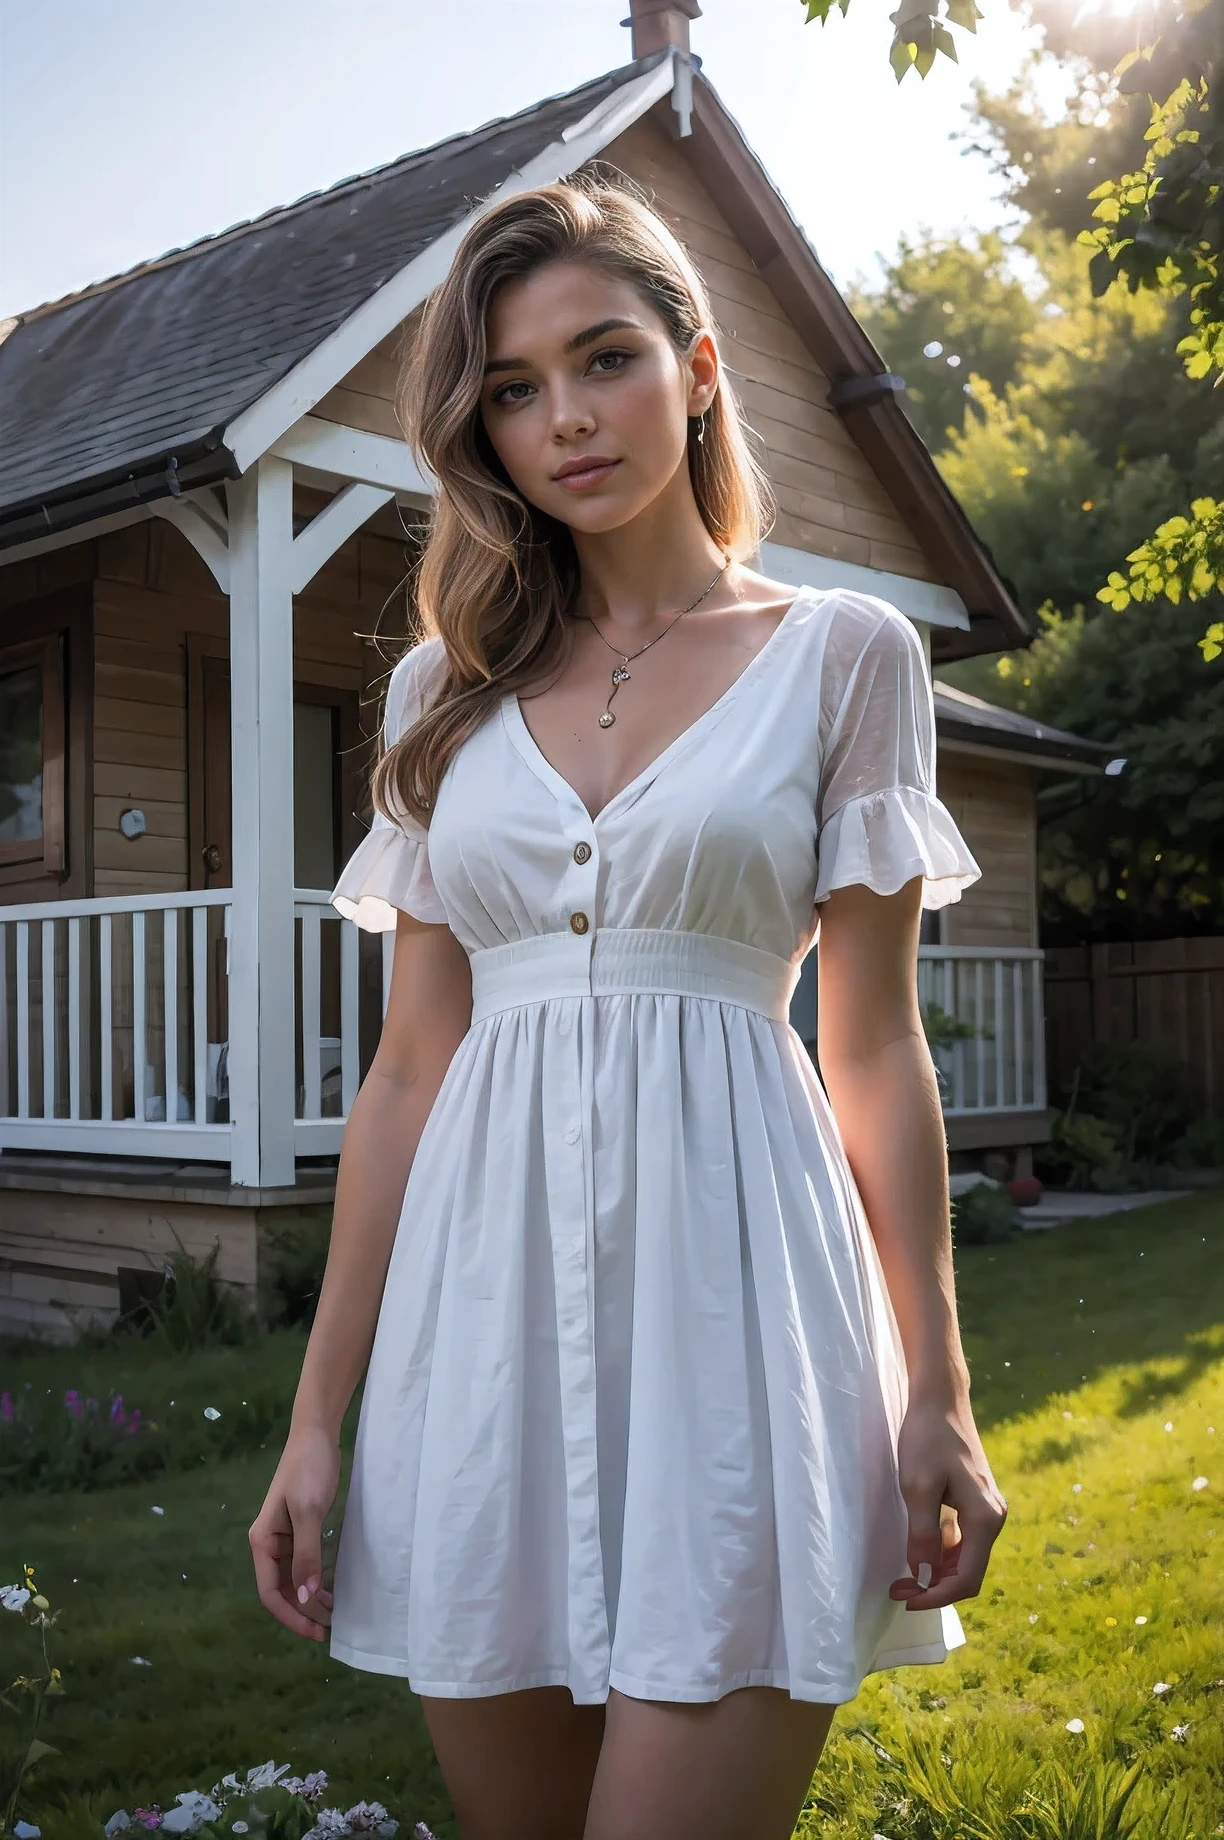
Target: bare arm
[429,1009]
[879,1076]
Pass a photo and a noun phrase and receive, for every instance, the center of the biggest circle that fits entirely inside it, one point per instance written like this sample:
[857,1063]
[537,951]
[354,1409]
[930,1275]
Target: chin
[596,514]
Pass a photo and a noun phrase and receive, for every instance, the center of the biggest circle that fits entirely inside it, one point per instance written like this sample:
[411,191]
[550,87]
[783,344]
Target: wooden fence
[1168,993]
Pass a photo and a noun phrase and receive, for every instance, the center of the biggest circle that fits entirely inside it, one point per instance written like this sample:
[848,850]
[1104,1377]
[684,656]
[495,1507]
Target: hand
[941,1461]
[287,1534]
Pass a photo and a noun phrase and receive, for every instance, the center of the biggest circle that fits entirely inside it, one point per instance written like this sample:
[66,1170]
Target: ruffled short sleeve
[389,869]
[880,823]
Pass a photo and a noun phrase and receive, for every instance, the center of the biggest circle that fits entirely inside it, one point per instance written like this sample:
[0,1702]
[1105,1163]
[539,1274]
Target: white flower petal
[1200,1482]
[1075,1724]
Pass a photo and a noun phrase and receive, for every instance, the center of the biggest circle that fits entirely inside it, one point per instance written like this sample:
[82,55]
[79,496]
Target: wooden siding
[829,499]
[61,1251]
[150,589]
[994,804]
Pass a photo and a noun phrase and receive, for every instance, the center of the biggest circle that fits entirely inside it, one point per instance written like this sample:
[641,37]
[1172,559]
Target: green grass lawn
[1098,1368]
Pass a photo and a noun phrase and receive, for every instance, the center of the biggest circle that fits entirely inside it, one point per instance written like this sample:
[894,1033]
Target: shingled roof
[174,375]
[119,380]
[962,717]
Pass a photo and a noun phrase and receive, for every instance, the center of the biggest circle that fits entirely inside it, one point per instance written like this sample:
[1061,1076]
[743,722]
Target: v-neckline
[529,747]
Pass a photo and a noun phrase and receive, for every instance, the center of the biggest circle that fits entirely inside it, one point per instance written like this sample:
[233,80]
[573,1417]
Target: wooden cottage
[205,503]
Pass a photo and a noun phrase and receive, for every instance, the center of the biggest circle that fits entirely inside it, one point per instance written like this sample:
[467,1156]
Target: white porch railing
[114,1024]
[104,1025]
[1000,1067]
[328,982]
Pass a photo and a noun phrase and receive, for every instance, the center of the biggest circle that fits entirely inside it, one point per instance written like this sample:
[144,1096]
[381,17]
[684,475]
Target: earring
[701,428]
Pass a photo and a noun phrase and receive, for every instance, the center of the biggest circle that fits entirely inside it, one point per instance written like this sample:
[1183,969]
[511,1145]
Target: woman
[656,1429]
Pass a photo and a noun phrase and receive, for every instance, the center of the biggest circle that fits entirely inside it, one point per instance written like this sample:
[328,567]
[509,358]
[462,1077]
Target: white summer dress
[630,1418]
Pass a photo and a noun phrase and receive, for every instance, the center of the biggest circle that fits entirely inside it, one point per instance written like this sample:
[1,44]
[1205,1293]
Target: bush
[1202,1146]
[293,1258]
[194,1309]
[1139,1092]
[982,1215]
[64,1439]
[1082,1152]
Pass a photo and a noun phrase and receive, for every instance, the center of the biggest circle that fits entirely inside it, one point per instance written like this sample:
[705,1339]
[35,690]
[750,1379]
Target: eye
[617,361]
[502,395]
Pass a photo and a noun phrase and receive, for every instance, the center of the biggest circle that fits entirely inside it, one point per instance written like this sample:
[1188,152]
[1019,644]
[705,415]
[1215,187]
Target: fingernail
[303,1594]
[924,1567]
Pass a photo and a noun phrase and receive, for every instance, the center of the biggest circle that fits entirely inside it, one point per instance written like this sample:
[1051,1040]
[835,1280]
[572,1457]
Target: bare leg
[737,1768]
[517,1766]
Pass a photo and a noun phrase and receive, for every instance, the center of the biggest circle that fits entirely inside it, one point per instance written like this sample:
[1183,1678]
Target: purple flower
[6,1407]
[72,1399]
[117,1413]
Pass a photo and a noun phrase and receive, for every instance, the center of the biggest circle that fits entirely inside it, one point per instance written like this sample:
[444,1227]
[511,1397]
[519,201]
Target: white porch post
[261,1007]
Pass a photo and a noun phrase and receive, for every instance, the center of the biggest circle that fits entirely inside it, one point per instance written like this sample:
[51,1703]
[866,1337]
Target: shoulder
[866,629]
[416,678]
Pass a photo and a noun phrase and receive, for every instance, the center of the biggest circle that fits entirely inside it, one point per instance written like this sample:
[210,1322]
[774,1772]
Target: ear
[704,367]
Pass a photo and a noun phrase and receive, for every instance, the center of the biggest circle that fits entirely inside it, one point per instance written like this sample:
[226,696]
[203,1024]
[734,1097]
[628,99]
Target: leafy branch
[919,33]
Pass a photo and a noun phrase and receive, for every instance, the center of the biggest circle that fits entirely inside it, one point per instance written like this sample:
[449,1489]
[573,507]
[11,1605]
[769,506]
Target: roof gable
[162,359]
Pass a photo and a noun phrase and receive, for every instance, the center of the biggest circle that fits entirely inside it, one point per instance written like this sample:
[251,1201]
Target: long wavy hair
[497,576]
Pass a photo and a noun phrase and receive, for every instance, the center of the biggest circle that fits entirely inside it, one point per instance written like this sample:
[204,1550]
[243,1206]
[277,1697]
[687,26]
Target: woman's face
[585,398]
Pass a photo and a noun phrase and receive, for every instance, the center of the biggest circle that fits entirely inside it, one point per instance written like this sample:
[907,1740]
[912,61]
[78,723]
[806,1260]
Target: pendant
[619,676]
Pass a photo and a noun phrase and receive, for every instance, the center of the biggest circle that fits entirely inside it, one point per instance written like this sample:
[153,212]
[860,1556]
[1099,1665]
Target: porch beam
[331,527]
[205,530]
[351,453]
[929,603]
[261,960]
[73,534]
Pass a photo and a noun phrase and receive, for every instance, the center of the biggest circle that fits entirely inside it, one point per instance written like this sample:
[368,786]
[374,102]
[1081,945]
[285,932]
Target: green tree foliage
[1051,510]
[1140,854]
[948,309]
[920,32]
[1094,436]
[1161,226]
[1157,225]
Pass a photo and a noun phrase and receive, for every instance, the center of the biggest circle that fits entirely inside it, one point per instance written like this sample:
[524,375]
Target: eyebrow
[586,337]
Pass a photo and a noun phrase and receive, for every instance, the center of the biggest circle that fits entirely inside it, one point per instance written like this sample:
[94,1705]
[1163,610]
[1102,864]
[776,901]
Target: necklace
[621,673]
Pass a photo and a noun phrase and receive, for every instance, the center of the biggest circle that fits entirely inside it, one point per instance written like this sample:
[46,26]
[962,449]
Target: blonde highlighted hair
[497,576]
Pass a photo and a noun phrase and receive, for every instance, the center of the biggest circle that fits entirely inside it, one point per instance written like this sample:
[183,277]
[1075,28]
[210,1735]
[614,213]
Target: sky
[135,126]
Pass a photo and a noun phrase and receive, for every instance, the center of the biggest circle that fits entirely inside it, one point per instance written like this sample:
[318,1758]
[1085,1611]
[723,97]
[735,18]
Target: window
[32,755]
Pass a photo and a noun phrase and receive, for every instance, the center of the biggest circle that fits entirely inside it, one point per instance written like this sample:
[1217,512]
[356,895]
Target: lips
[585,470]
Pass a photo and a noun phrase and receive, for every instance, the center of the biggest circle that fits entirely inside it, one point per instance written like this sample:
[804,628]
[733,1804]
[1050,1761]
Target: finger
[275,1589]
[307,1567]
[924,1547]
[978,1534]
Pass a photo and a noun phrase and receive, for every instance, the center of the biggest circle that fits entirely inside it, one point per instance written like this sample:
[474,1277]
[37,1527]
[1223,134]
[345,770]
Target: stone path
[1058,1205]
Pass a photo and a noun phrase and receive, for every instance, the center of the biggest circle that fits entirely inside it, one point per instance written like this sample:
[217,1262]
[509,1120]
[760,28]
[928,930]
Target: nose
[572,416]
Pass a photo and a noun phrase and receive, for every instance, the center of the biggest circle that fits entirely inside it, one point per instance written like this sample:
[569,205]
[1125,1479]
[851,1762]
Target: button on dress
[631,1412]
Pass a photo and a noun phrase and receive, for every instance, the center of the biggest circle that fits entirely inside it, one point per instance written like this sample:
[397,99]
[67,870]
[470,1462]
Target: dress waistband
[617,960]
